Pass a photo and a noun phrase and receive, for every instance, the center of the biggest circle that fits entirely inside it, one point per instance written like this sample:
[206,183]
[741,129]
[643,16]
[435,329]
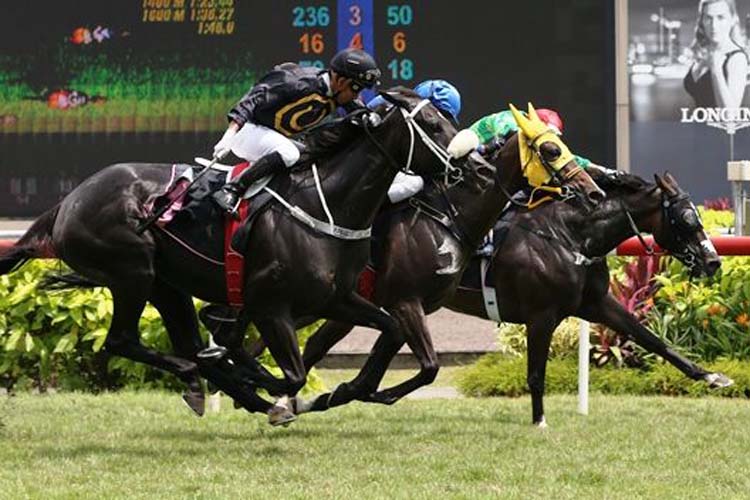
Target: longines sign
[728,119]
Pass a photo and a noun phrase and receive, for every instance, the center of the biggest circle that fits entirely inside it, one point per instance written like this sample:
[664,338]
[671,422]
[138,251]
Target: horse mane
[624,181]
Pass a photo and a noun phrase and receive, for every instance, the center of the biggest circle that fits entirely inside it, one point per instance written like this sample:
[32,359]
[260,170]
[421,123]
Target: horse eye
[551,152]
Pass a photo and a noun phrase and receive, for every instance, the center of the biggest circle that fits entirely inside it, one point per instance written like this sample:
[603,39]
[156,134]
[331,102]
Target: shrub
[512,339]
[498,375]
[706,319]
[55,339]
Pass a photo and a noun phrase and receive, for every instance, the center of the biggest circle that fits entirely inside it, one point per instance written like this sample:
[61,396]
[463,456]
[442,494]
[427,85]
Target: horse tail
[35,243]
[66,281]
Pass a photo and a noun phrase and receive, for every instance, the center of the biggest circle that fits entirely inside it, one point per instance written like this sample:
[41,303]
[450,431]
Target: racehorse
[549,266]
[293,270]
[425,250]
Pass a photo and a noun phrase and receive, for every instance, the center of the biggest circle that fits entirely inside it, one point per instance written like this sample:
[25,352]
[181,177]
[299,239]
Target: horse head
[547,161]
[678,228]
[428,131]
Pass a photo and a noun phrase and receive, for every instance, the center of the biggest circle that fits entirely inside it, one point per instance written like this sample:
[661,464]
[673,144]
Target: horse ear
[665,185]
[532,113]
[672,181]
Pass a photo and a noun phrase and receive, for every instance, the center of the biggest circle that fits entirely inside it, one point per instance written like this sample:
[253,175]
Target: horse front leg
[320,342]
[230,335]
[539,335]
[356,310]
[609,312]
[280,336]
[411,318]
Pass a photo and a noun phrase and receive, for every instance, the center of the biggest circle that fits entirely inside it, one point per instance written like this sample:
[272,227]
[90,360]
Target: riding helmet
[357,65]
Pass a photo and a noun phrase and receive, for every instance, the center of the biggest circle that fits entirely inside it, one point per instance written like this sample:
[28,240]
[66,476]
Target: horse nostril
[712,266]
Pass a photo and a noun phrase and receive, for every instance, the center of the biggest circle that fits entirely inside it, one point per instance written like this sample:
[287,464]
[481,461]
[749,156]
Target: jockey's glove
[224,146]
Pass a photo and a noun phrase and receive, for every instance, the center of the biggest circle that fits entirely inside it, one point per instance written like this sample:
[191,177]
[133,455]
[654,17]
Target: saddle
[199,225]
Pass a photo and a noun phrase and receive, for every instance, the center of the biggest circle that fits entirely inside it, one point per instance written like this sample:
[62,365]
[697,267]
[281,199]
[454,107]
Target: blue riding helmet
[442,94]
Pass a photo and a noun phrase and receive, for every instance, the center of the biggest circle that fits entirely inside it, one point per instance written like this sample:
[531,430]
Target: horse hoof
[718,380]
[542,424]
[281,413]
[196,401]
[212,354]
[381,398]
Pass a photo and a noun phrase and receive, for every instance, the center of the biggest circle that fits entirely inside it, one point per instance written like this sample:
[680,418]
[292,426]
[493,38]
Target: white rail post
[214,400]
[583,368]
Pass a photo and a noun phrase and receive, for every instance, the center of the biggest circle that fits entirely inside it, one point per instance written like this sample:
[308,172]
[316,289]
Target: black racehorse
[425,249]
[294,268]
[549,266]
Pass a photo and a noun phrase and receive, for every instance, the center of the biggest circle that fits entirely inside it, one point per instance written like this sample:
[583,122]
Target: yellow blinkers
[532,132]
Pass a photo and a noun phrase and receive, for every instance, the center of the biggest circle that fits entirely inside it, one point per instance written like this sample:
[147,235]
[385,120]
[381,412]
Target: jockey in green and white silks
[488,133]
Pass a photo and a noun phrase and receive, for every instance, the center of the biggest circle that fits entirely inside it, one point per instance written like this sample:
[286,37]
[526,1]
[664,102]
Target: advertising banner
[688,64]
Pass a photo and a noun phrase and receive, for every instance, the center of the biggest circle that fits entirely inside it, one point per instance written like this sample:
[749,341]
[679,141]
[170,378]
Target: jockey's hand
[224,146]
[373,119]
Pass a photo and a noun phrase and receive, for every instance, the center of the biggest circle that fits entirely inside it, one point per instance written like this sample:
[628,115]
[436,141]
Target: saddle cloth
[197,224]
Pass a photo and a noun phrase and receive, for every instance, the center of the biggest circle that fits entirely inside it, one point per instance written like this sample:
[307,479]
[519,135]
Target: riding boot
[228,196]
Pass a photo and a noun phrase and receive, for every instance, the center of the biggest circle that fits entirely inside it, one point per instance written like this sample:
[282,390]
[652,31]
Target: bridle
[452,174]
[562,192]
[687,255]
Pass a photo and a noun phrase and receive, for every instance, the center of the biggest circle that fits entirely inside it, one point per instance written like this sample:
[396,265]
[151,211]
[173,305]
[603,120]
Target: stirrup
[212,353]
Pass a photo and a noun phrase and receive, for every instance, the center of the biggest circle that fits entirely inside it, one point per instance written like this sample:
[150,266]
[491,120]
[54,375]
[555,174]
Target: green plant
[634,292]
[512,339]
[716,219]
[498,375]
[55,339]
[706,319]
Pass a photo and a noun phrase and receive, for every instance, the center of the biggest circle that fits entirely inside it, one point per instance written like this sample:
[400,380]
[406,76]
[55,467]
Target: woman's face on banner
[717,20]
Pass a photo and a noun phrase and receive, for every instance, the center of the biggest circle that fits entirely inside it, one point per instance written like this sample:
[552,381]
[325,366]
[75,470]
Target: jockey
[446,98]
[285,102]
[489,133]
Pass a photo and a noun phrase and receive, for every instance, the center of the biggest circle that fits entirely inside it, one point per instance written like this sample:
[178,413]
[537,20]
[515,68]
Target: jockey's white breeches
[254,141]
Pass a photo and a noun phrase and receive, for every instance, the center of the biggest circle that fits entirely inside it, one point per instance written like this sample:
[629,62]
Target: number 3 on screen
[356,13]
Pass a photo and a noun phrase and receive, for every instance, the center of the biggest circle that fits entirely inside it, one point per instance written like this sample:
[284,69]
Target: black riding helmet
[357,65]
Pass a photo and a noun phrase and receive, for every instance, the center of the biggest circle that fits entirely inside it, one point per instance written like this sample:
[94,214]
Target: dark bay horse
[425,250]
[292,269]
[549,266]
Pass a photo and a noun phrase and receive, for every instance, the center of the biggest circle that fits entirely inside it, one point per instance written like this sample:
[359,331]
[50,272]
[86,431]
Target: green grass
[146,445]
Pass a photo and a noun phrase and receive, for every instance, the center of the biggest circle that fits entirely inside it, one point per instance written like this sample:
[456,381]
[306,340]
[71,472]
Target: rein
[330,228]
[649,249]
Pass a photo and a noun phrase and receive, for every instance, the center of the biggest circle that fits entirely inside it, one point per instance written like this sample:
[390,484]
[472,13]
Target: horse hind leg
[178,314]
[123,338]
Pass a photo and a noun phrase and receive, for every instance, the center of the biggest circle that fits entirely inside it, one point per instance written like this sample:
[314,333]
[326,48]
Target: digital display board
[86,83]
